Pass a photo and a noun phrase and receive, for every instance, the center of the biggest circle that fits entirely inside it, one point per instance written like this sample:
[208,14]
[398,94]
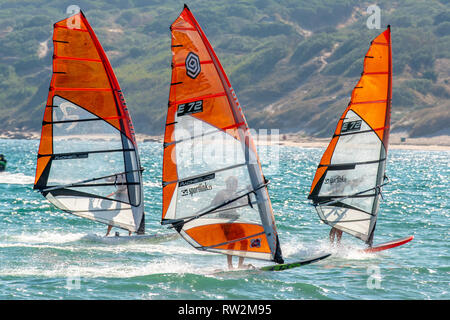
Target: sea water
[48,254]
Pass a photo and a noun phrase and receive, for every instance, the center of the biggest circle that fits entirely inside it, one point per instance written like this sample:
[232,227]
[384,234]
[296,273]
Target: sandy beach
[396,141]
[438,143]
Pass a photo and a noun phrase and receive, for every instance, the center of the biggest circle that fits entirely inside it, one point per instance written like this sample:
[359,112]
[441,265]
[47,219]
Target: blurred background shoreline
[396,141]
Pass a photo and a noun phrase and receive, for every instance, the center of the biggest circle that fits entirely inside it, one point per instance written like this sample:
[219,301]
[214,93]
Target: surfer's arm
[218,199]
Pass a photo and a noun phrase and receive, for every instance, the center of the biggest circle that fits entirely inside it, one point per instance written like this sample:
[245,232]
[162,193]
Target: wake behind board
[388,245]
[292,265]
[278,267]
[152,238]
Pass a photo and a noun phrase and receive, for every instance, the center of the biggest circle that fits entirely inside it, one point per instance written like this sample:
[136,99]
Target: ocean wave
[15,178]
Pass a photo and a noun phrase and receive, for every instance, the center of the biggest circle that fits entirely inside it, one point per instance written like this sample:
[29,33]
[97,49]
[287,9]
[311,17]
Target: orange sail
[214,192]
[88,162]
[347,184]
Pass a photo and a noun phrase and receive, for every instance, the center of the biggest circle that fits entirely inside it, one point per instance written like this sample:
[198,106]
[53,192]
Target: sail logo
[200,188]
[190,108]
[336,179]
[351,126]
[255,243]
[66,115]
[192,65]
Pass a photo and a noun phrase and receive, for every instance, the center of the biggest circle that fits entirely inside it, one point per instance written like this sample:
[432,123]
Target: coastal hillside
[293,63]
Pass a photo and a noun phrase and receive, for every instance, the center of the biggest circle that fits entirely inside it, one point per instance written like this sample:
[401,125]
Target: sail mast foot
[278,257]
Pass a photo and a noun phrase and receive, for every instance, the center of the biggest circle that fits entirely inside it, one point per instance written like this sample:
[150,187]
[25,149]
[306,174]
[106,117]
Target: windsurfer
[229,193]
[335,233]
[222,196]
[121,193]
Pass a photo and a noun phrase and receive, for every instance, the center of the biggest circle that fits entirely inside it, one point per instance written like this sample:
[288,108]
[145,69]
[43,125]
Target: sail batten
[347,184]
[214,193]
[88,162]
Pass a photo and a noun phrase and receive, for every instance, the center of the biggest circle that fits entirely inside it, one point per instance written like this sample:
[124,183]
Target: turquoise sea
[48,254]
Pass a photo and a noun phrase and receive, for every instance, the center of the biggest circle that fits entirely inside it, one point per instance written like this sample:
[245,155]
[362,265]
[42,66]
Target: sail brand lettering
[70,156]
[196,180]
[351,126]
[189,108]
[200,188]
[336,179]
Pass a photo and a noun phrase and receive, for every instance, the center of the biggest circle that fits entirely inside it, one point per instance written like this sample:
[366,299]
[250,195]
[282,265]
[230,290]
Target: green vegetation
[293,63]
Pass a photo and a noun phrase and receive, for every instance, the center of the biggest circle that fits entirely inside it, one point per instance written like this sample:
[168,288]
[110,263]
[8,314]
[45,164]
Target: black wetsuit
[2,163]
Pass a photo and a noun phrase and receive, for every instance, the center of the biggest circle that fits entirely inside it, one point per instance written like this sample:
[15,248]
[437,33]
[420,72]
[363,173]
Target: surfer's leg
[332,233]
[241,262]
[108,231]
[230,262]
[244,266]
[338,236]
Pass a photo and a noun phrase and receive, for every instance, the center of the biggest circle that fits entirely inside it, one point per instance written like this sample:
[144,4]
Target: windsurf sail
[347,185]
[214,192]
[88,162]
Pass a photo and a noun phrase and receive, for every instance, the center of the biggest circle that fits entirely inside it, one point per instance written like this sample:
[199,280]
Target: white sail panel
[357,145]
[101,210]
[212,169]
[352,221]
[201,147]
[99,184]
[349,181]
